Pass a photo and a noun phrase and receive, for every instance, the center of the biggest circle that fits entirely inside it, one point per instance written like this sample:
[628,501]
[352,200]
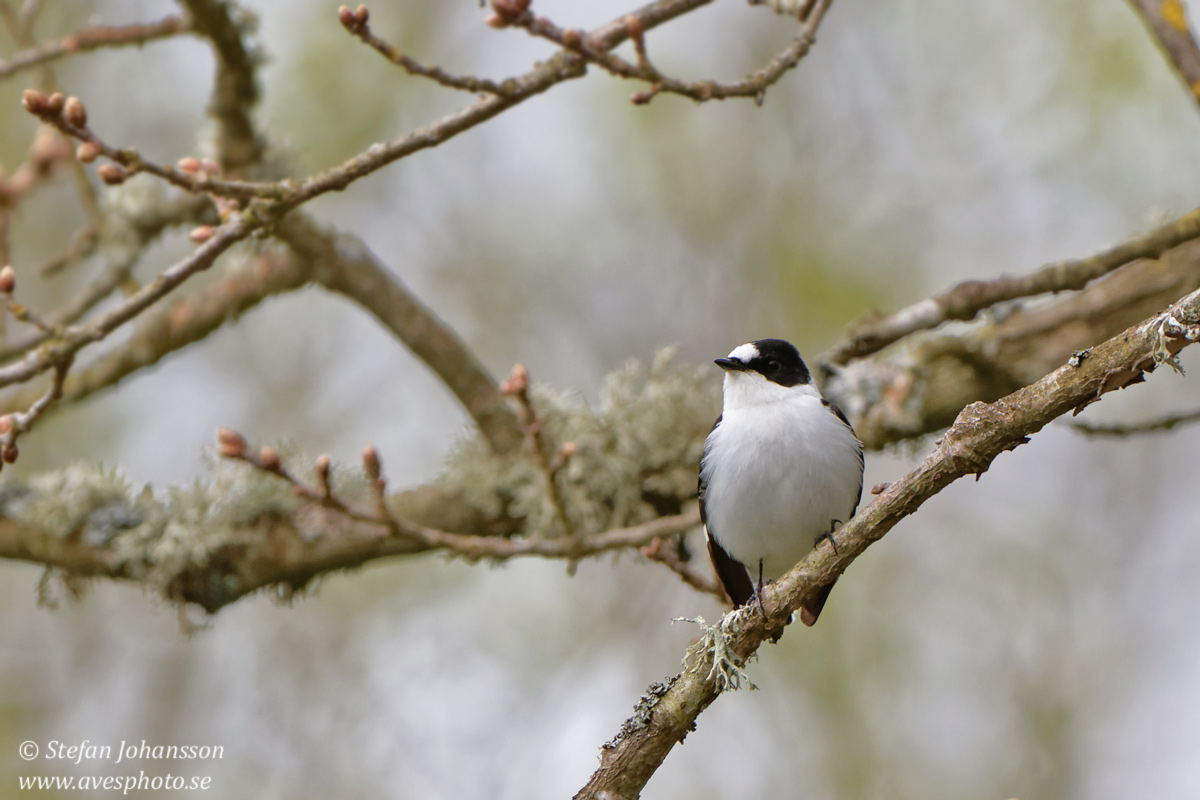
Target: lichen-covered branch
[235,89]
[630,480]
[965,300]
[919,384]
[980,434]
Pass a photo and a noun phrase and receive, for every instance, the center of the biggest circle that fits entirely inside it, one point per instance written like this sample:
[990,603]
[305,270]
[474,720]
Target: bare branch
[183,323]
[666,553]
[126,238]
[71,340]
[343,264]
[981,433]
[596,49]
[1167,22]
[1154,426]
[288,543]
[549,464]
[93,38]
[128,161]
[965,300]
[359,27]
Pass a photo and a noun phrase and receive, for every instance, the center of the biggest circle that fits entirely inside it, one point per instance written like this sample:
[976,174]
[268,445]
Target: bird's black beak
[731,365]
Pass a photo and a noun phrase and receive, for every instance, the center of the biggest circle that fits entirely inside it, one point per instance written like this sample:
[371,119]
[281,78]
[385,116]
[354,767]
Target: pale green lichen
[636,456]
[151,536]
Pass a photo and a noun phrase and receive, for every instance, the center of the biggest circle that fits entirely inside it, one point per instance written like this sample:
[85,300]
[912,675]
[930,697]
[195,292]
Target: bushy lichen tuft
[635,457]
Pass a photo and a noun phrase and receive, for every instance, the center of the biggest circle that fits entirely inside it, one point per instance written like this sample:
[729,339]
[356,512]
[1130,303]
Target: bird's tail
[812,609]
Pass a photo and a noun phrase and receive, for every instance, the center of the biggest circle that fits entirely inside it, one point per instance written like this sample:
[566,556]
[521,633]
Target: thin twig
[233,446]
[1133,429]
[359,27]
[173,327]
[665,552]
[13,425]
[517,387]
[597,50]
[93,38]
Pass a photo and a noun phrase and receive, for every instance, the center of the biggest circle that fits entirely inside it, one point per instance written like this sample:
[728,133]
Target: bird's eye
[772,364]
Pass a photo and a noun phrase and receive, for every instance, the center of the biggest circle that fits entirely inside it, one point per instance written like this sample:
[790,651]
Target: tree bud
[201,234]
[231,444]
[35,102]
[268,459]
[112,174]
[75,113]
[371,462]
[88,152]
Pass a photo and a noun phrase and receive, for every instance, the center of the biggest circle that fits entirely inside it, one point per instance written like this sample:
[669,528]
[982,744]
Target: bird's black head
[775,359]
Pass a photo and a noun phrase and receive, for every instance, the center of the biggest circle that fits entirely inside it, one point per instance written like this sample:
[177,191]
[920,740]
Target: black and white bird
[782,468]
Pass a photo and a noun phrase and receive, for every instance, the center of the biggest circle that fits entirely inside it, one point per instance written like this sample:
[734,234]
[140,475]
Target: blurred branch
[1167,22]
[63,347]
[285,545]
[667,553]
[1133,429]
[69,116]
[981,433]
[235,90]
[596,49]
[965,300]
[126,237]
[182,323]
[343,264]
[549,464]
[919,385]
[92,38]
[357,24]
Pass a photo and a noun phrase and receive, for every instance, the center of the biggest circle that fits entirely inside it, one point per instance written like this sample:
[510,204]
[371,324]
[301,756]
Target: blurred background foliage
[1030,635]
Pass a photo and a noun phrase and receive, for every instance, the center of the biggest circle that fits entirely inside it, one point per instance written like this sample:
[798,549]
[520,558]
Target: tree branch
[1154,426]
[93,38]
[981,433]
[965,300]
[596,49]
[235,90]
[917,386]
[343,264]
[1167,22]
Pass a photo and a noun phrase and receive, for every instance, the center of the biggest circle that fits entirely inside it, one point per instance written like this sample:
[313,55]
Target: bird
[782,469]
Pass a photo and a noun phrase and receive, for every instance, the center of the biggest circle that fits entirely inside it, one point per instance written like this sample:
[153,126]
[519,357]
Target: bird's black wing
[811,610]
[732,574]
[832,406]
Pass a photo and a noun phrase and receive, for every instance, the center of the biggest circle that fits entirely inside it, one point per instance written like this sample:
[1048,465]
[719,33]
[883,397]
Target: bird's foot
[827,537]
[726,666]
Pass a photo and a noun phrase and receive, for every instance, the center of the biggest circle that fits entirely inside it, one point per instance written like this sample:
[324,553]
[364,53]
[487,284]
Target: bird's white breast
[777,475]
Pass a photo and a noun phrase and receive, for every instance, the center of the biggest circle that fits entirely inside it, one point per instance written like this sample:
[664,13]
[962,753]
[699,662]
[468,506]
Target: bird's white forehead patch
[745,353]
